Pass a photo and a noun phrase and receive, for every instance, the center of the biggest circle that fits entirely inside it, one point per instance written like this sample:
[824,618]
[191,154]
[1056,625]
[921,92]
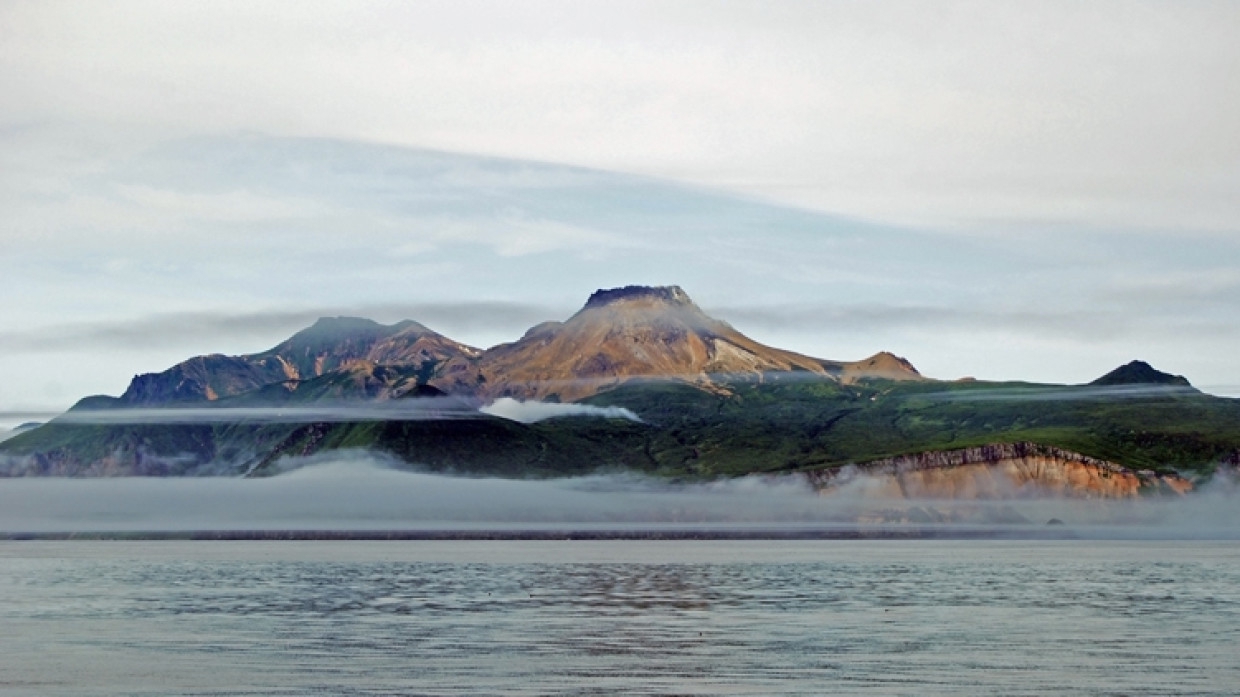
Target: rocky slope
[639,332]
[1000,471]
[330,345]
[620,335]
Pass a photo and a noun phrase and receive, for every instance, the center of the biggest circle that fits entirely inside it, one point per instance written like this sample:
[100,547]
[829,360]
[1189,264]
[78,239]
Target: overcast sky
[1036,191]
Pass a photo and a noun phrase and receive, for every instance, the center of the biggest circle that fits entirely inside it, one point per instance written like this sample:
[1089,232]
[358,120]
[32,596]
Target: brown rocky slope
[339,344]
[999,471]
[641,332]
[622,334]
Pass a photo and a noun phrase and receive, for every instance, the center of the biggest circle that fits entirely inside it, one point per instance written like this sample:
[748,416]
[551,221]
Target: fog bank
[356,491]
[421,409]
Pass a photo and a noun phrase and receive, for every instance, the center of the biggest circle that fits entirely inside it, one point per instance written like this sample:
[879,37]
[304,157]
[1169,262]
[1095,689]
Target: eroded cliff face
[1000,471]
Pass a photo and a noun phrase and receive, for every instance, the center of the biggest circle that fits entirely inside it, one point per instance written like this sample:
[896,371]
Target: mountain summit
[671,295]
[1140,373]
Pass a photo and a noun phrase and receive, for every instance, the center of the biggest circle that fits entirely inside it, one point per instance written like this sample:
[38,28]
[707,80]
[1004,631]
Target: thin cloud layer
[953,113]
[422,409]
[426,409]
[1065,393]
[883,317]
[189,329]
[362,492]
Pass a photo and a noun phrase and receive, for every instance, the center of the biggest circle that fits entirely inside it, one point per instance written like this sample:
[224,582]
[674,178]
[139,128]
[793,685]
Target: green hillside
[792,422]
[782,422]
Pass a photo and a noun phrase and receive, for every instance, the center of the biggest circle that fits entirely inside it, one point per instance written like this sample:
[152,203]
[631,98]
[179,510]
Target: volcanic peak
[672,295]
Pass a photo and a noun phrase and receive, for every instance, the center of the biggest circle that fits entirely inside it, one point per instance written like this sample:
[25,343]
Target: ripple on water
[922,618]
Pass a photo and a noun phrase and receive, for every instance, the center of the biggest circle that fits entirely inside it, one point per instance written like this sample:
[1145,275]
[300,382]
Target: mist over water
[363,491]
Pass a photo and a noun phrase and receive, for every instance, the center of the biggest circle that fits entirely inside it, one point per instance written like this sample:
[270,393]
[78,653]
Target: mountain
[711,402]
[636,332]
[1140,373]
[640,332]
[329,345]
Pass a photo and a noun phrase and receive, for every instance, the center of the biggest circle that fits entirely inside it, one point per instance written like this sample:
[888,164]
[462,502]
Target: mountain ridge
[631,332]
[330,344]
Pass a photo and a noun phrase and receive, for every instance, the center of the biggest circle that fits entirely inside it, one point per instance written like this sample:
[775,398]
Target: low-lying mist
[361,491]
[326,411]
[533,411]
[1063,393]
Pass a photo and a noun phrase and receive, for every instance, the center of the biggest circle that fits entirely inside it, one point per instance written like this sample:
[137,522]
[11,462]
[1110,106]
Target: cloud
[351,491]
[228,207]
[511,234]
[196,329]
[532,412]
[903,111]
[1067,393]
[424,409]
[27,415]
[873,316]
[1213,285]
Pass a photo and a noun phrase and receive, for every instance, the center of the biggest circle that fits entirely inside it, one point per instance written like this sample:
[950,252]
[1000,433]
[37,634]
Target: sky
[1016,191]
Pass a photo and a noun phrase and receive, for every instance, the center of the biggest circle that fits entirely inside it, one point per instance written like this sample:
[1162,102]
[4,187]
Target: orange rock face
[1002,471]
[639,332]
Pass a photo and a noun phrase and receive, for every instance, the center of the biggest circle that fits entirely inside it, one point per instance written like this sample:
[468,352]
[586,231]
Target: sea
[619,616]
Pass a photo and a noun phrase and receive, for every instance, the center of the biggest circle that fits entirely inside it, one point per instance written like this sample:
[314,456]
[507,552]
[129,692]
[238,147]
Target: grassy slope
[797,424]
[785,423]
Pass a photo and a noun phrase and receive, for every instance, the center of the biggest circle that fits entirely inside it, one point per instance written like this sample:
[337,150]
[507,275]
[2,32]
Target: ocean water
[878,617]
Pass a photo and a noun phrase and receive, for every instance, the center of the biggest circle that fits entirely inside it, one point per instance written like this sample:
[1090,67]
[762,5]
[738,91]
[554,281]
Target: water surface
[925,617]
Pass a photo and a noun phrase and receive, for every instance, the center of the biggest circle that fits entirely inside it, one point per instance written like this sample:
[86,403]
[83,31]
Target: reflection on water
[920,618]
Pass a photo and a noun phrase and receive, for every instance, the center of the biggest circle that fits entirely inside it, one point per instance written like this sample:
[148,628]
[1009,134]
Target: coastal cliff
[998,471]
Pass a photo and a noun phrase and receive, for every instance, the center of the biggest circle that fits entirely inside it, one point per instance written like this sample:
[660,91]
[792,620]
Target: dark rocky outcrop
[1140,373]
